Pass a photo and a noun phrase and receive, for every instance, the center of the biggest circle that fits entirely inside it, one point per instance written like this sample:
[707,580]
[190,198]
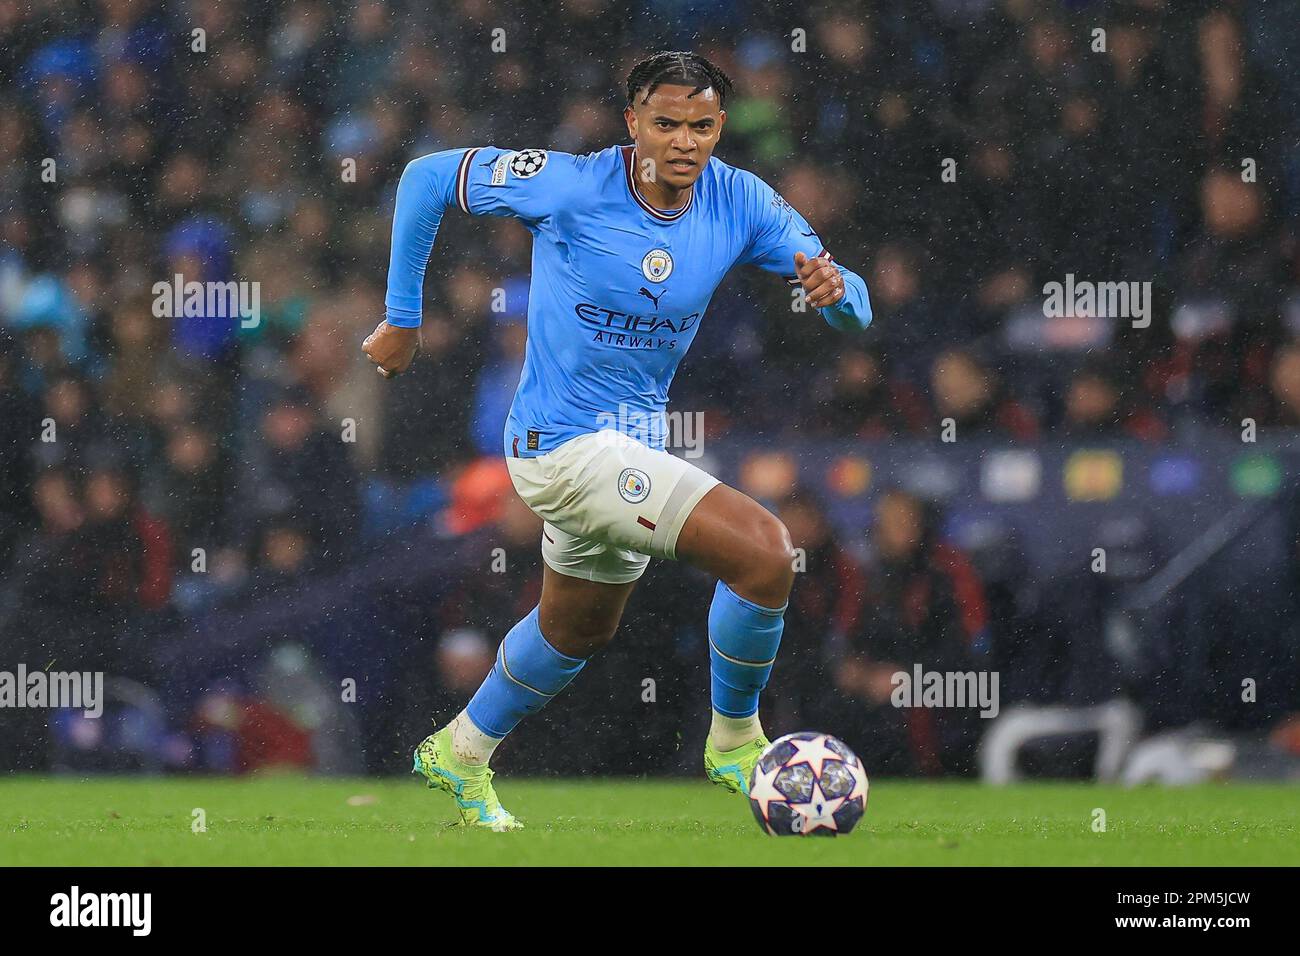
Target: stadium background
[372,560]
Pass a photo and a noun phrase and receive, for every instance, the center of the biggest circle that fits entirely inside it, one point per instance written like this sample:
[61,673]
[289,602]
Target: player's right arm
[480,181]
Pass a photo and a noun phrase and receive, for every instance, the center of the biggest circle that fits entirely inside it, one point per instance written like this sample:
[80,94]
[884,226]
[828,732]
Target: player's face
[675,134]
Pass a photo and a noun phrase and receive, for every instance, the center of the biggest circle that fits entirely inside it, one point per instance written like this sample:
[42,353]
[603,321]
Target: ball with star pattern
[808,784]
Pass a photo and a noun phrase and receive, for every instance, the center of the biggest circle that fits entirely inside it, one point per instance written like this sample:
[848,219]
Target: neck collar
[672,215]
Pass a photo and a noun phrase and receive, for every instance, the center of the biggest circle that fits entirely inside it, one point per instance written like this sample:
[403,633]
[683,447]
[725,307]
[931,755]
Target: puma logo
[652,297]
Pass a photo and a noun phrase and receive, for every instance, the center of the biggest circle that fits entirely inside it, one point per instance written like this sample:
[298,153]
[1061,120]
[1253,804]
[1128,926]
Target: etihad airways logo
[634,331]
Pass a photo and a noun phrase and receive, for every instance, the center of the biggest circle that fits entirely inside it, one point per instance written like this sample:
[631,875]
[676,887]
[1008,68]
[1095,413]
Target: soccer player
[629,245]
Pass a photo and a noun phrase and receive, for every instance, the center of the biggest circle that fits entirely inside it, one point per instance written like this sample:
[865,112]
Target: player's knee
[769,572]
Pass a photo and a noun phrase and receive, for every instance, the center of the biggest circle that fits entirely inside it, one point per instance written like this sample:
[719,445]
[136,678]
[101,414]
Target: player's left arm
[784,243]
[837,293]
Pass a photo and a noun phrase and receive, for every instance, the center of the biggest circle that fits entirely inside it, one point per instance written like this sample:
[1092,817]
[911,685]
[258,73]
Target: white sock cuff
[469,744]
[728,733]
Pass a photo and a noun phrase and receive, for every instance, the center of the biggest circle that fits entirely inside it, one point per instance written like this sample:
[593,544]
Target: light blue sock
[528,672]
[743,638]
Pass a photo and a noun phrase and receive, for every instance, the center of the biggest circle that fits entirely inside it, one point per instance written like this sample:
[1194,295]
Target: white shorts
[609,504]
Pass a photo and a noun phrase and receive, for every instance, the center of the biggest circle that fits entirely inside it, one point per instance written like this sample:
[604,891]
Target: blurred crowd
[262,142]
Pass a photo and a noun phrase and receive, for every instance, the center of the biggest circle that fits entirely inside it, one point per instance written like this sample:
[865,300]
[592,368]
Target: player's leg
[585,587]
[732,536]
[580,617]
[654,503]
[540,656]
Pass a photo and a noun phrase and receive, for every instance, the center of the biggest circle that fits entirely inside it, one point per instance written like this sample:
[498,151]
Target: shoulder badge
[527,163]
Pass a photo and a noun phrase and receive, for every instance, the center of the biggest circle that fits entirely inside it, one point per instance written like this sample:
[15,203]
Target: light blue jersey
[619,288]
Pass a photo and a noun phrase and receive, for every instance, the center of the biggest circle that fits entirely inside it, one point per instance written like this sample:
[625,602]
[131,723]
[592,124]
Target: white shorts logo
[634,485]
[527,163]
[657,265]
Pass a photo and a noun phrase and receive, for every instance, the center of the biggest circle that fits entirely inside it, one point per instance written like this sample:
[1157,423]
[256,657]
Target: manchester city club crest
[657,265]
[634,485]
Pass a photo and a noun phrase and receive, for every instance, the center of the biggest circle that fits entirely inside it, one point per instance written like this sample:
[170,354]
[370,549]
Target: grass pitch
[280,820]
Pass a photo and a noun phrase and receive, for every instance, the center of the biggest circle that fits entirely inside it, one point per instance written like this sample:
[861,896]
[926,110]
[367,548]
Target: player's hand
[391,348]
[822,283]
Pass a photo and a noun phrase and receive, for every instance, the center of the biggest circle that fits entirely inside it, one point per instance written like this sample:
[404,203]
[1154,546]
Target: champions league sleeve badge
[527,163]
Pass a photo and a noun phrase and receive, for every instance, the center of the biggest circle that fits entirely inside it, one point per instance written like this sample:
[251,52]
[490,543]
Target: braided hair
[681,69]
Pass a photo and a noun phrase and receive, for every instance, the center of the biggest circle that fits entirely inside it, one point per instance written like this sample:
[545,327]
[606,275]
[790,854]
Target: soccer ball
[808,784]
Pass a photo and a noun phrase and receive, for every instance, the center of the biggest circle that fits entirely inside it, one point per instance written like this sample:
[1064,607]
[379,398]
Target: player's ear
[722,120]
[629,115]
